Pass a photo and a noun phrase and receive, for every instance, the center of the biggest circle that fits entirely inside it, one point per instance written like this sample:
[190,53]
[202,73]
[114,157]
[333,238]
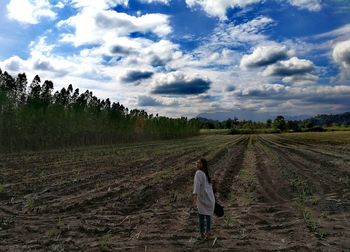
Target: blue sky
[221,58]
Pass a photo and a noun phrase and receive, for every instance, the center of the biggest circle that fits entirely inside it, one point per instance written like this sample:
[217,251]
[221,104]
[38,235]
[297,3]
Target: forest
[35,117]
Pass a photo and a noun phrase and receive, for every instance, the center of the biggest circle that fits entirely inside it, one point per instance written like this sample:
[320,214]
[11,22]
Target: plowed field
[280,193]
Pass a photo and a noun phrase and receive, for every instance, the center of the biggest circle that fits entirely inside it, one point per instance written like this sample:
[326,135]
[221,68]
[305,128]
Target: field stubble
[280,192]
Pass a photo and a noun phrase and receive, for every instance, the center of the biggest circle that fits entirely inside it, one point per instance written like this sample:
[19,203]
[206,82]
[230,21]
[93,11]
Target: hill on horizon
[248,115]
[319,120]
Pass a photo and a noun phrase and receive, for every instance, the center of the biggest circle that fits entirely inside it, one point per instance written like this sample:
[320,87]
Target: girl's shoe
[208,235]
[202,237]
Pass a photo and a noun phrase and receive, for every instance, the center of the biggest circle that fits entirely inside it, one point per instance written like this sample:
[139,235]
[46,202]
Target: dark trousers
[204,223]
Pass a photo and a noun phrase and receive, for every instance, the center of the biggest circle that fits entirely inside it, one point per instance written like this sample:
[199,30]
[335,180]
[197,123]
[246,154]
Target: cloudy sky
[249,58]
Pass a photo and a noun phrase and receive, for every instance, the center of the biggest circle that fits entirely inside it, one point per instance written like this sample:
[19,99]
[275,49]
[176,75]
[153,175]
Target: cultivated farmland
[280,192]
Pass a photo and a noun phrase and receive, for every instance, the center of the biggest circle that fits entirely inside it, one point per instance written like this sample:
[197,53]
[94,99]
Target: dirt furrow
[271,184]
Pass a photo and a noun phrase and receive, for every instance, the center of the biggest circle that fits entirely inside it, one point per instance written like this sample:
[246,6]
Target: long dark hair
[204,168]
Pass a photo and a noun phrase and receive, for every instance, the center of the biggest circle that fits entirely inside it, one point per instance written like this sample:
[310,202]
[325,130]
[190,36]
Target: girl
[203,197]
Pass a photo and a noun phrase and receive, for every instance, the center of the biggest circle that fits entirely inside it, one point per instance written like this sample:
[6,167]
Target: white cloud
[161,53]
[40,47]
[263,90]
[223,49]
[13,64]
[136,76]
[140,51]
[326,95]
[60,5]
[290,67]
[342,32]
[98,4]
[40,59]
[265,55]
[311,5]
[178,83]
[341,55]
[296,98]
[218,8]
[43,61]
[30,11]
[228,35]
[213,58]
[149,101]
[275,58]
[301,80]
[156,1]
[93,26]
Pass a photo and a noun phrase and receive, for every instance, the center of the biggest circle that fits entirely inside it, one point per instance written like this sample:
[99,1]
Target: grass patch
[315,200]
[248,184]
[247,199]
[53,232]
[305,197]
[336,137]
[345,181]
[231,196]
[175,197]
[98,185]
[248,180]
[301,186]
[30,203]
[229,221]
[214,131]
[105,243]
[312,222]
[338,128]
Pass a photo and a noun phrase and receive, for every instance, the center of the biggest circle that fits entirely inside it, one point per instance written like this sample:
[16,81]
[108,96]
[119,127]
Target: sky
[253,59]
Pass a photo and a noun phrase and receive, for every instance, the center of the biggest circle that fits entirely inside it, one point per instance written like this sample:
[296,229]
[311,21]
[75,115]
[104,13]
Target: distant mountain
[244,114]
[206,120]
[296,118]
[321,120]
[240,114]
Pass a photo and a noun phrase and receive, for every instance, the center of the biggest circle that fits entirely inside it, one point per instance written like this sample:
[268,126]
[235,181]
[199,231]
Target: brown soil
[279,195]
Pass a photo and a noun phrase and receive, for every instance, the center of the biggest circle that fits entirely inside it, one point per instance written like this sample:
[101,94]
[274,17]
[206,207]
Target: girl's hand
[194,200]
[191,211]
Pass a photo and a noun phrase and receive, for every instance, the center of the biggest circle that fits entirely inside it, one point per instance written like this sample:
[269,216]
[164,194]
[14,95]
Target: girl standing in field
[203,197]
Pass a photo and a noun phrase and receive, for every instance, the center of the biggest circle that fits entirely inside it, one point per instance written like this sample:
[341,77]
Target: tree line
[337,120]
[35,117]
[279,124]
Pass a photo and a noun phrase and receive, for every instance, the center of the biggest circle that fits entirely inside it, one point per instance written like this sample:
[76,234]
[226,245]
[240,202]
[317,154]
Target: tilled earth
[279,194]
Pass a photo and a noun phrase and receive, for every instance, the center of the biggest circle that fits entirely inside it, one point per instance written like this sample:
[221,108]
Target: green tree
[279,123]
[21,88]
[7,83]
[46,93]
[293,125]
[34,92]
[268,123]
[228,123]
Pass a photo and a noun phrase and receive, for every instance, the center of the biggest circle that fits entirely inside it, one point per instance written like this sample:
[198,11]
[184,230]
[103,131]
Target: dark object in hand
[218,210]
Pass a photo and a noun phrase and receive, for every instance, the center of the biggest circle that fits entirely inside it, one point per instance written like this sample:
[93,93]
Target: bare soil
[280,194]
